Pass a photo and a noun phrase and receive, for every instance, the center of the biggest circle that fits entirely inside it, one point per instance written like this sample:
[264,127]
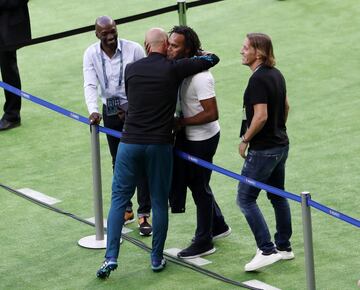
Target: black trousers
[10,75]
[177,195]
[143,194]
[197,178]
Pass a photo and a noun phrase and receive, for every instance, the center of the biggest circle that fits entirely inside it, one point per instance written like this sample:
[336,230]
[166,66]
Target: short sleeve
[257,91]
[204,85]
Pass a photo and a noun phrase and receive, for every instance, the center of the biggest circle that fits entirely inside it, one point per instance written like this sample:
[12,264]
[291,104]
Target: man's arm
[90,88]
[209,114]
[257,123]
[189,66]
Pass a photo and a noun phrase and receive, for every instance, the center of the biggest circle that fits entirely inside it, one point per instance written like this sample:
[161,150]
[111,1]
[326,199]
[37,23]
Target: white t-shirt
[194,89]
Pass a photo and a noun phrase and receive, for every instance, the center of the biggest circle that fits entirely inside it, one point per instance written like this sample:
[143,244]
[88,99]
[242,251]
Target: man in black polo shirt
[264,132]
[146,145]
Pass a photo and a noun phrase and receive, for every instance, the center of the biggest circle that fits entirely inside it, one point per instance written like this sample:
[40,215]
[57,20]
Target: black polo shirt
[267,86]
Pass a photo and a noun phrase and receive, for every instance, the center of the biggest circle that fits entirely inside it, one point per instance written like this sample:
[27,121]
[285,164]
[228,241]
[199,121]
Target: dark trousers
[132,160]
[143,194]
[266,166]
[208,214]
[177,196]
[10,75]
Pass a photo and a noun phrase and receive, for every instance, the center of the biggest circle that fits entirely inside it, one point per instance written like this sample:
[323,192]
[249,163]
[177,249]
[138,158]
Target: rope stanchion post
[308,241]
[99,240]
[182,11]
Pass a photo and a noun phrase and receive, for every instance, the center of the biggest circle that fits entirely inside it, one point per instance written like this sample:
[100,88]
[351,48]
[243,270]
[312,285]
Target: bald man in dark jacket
[14,29]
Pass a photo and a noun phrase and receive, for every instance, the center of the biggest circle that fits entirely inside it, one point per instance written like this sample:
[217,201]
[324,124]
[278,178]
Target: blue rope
[188,157]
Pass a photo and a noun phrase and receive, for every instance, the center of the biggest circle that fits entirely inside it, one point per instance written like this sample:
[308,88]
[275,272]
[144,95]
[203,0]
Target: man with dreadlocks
[199,118]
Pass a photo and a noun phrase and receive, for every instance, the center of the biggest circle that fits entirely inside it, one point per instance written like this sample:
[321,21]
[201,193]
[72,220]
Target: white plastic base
[91,242]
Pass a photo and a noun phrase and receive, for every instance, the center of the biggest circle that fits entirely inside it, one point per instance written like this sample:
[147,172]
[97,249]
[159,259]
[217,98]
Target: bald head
[105,30]
[104,21]
[156,40]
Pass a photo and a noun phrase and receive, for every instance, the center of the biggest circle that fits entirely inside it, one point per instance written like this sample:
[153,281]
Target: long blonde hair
[262,43]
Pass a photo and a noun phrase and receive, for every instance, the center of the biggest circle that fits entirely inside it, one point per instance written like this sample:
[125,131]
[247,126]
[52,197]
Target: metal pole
[308,241]
[96,169]
[99,240]
[182,12]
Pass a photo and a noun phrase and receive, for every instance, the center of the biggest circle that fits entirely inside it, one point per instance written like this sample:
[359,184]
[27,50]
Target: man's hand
[242,149]
[121,114]
[95,118]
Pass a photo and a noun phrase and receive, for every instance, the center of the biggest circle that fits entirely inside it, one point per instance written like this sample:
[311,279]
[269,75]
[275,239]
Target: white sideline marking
[196,261]
[259,284]
[39,196]
[125,230]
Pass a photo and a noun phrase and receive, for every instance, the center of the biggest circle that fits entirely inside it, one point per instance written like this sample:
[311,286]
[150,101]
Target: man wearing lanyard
[264,138]
[104,65]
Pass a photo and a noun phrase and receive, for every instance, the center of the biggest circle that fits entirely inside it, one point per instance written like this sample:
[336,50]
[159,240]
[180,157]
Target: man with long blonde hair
[264,138]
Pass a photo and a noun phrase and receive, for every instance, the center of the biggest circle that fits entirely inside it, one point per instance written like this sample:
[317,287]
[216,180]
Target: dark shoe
[6,125]
[196,250]
[222,234]
[158,265]
[145,229]
[128,217]
[106,268]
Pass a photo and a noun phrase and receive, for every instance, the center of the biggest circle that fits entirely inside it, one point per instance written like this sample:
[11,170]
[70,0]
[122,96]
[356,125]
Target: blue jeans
[133,160]
[266,166]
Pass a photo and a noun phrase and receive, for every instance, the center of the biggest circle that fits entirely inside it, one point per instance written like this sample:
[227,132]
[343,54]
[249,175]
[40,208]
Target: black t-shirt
[151,86]
[267,86]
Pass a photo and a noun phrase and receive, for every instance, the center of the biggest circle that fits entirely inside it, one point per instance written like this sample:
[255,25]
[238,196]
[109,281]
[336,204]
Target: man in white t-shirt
[200,138]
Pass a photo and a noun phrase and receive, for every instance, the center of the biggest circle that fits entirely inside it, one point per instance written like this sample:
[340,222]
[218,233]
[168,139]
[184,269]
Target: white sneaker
[261,260]
[285,255]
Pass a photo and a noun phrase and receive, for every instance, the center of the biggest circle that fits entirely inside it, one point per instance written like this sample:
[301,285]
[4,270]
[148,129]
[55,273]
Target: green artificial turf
[316,45]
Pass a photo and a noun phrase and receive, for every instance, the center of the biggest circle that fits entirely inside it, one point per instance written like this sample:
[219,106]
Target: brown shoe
[128,217]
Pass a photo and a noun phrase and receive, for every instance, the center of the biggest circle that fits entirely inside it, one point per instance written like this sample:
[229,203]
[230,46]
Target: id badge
[244,114]
[112,106]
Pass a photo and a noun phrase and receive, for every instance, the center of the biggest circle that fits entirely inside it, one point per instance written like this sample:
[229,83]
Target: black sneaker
[158,265]
[145,229]
[106,268]
[222,234]
[196,250]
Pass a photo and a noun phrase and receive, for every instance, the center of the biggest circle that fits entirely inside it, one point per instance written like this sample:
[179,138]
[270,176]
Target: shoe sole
[160,267]
[223,235]
[209,252]
[145,235]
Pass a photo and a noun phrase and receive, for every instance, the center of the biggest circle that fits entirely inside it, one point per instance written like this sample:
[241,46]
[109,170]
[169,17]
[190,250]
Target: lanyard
[104,69]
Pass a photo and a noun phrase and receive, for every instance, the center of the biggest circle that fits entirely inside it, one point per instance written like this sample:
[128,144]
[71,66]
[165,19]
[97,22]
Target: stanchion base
[91,242]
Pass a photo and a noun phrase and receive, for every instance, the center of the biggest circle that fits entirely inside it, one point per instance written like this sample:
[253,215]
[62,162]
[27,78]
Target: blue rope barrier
[188,157]
[334,213]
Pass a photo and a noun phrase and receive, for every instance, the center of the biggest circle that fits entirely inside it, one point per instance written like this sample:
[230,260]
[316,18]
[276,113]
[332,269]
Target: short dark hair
[262,43]
[192,41]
